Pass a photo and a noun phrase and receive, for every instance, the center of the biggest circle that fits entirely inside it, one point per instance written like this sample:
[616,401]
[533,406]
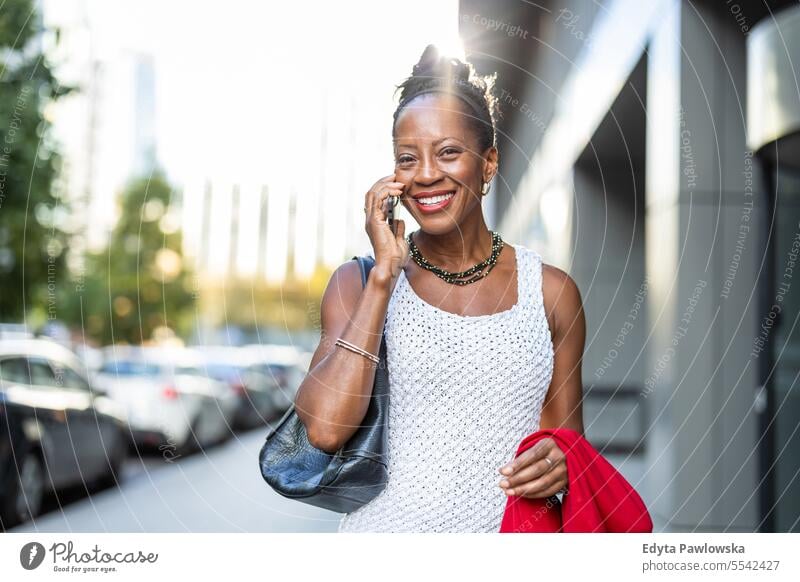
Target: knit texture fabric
[464,391]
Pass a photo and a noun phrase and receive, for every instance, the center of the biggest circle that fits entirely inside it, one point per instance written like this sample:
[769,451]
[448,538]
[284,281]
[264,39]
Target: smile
[435,203]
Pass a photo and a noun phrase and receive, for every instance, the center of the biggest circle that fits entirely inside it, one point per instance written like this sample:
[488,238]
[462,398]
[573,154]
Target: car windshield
[129,368]
[225,372]
[189,371]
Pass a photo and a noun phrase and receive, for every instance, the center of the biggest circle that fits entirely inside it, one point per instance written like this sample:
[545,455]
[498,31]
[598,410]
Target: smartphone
[390,215]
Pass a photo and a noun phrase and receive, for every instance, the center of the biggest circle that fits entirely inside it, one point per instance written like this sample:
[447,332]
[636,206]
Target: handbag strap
[365,263]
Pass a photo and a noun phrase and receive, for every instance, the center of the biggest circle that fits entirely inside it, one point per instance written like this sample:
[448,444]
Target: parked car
[258,391]
[92,358]
[169,400]
[285,365]
[56,428]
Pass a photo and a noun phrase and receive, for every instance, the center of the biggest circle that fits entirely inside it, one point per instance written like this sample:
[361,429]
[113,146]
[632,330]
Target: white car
[169,400]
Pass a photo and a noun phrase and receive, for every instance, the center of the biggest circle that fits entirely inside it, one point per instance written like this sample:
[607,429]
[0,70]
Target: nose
[428,171]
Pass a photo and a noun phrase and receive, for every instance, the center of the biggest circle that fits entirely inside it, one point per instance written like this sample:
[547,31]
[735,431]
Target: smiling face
[437,158]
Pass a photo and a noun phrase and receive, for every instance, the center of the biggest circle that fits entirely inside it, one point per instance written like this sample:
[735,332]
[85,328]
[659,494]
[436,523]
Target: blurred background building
[650,150]
[267,170]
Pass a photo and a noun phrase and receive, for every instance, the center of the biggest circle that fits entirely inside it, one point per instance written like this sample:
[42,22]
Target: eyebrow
[437,142]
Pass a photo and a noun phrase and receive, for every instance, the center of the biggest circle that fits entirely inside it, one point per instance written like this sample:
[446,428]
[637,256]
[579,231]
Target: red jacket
[598,497]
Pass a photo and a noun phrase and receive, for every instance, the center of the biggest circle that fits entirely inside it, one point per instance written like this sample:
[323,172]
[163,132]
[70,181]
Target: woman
[484,341]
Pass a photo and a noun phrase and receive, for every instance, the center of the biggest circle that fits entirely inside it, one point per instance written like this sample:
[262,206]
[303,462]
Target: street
[219,490]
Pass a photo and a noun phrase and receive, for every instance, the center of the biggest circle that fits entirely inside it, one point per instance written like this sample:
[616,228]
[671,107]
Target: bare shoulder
[344,287]
[337,305]
[562,298]
[557,280]
[347,274]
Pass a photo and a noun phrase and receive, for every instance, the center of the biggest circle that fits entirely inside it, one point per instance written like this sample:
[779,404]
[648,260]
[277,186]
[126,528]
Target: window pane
[129,368]
[41,373]
[69,378]
[15,370]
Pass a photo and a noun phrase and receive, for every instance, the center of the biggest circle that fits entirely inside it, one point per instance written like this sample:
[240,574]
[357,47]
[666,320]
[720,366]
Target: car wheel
[113,476]
[192,442]
[25,501]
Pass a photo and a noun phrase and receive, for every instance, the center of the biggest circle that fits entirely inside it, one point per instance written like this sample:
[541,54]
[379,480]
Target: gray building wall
[644,148]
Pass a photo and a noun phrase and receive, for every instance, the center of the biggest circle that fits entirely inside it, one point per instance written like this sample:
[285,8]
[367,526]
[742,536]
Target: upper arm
[565,315]
[337,306]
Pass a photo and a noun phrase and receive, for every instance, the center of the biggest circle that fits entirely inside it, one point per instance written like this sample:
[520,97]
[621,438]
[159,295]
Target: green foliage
[140,282]
[17,20]
[32,243]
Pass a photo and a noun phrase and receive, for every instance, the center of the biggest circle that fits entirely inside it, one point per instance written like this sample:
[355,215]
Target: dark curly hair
[435,72]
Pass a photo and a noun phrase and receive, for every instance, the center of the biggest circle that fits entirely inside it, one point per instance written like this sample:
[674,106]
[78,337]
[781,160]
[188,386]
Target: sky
[242,89]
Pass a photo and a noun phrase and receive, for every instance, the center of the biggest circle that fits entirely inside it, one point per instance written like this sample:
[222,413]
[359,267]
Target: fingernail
[506,470]
[509,492]
[504,483]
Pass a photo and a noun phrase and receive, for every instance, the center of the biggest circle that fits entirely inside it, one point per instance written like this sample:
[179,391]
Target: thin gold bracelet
[358,350]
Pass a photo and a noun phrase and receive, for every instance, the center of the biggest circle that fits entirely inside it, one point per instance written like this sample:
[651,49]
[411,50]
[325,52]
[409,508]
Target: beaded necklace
[457,278]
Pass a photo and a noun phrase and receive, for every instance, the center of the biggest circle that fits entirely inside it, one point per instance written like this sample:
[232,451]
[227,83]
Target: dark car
[56,430]
[284,365]
[257,391]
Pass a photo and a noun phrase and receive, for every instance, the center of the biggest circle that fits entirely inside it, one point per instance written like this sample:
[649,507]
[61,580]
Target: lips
[444,198]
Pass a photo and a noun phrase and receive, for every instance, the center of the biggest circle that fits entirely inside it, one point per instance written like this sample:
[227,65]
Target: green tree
[31,242]
[141,282]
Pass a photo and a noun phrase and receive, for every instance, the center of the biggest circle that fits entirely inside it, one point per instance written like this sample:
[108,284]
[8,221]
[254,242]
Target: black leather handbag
[343,481]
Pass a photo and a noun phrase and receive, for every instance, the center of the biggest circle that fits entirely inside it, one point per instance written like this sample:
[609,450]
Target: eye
[404,159]
[450,151]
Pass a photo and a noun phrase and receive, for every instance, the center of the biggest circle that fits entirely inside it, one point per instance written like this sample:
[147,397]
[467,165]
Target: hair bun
[433,64]
[427,62]
[435,71]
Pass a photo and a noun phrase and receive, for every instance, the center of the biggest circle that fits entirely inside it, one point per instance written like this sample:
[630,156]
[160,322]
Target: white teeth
[435,199]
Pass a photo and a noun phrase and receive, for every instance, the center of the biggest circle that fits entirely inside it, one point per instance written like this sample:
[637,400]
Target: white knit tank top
[463,392]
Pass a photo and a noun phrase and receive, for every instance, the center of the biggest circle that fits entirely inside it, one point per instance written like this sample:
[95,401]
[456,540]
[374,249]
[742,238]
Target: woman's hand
[391,250]
[530,475]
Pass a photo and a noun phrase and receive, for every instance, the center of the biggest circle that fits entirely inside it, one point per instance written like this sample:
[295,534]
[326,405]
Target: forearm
[334,396]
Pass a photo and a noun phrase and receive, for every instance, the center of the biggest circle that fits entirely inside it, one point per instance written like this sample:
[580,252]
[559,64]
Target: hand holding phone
[390,247]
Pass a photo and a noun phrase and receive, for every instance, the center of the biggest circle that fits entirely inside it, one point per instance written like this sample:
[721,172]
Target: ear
[491,160]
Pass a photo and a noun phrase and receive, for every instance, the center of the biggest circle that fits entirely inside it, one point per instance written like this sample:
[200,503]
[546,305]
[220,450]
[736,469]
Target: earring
[485,188]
